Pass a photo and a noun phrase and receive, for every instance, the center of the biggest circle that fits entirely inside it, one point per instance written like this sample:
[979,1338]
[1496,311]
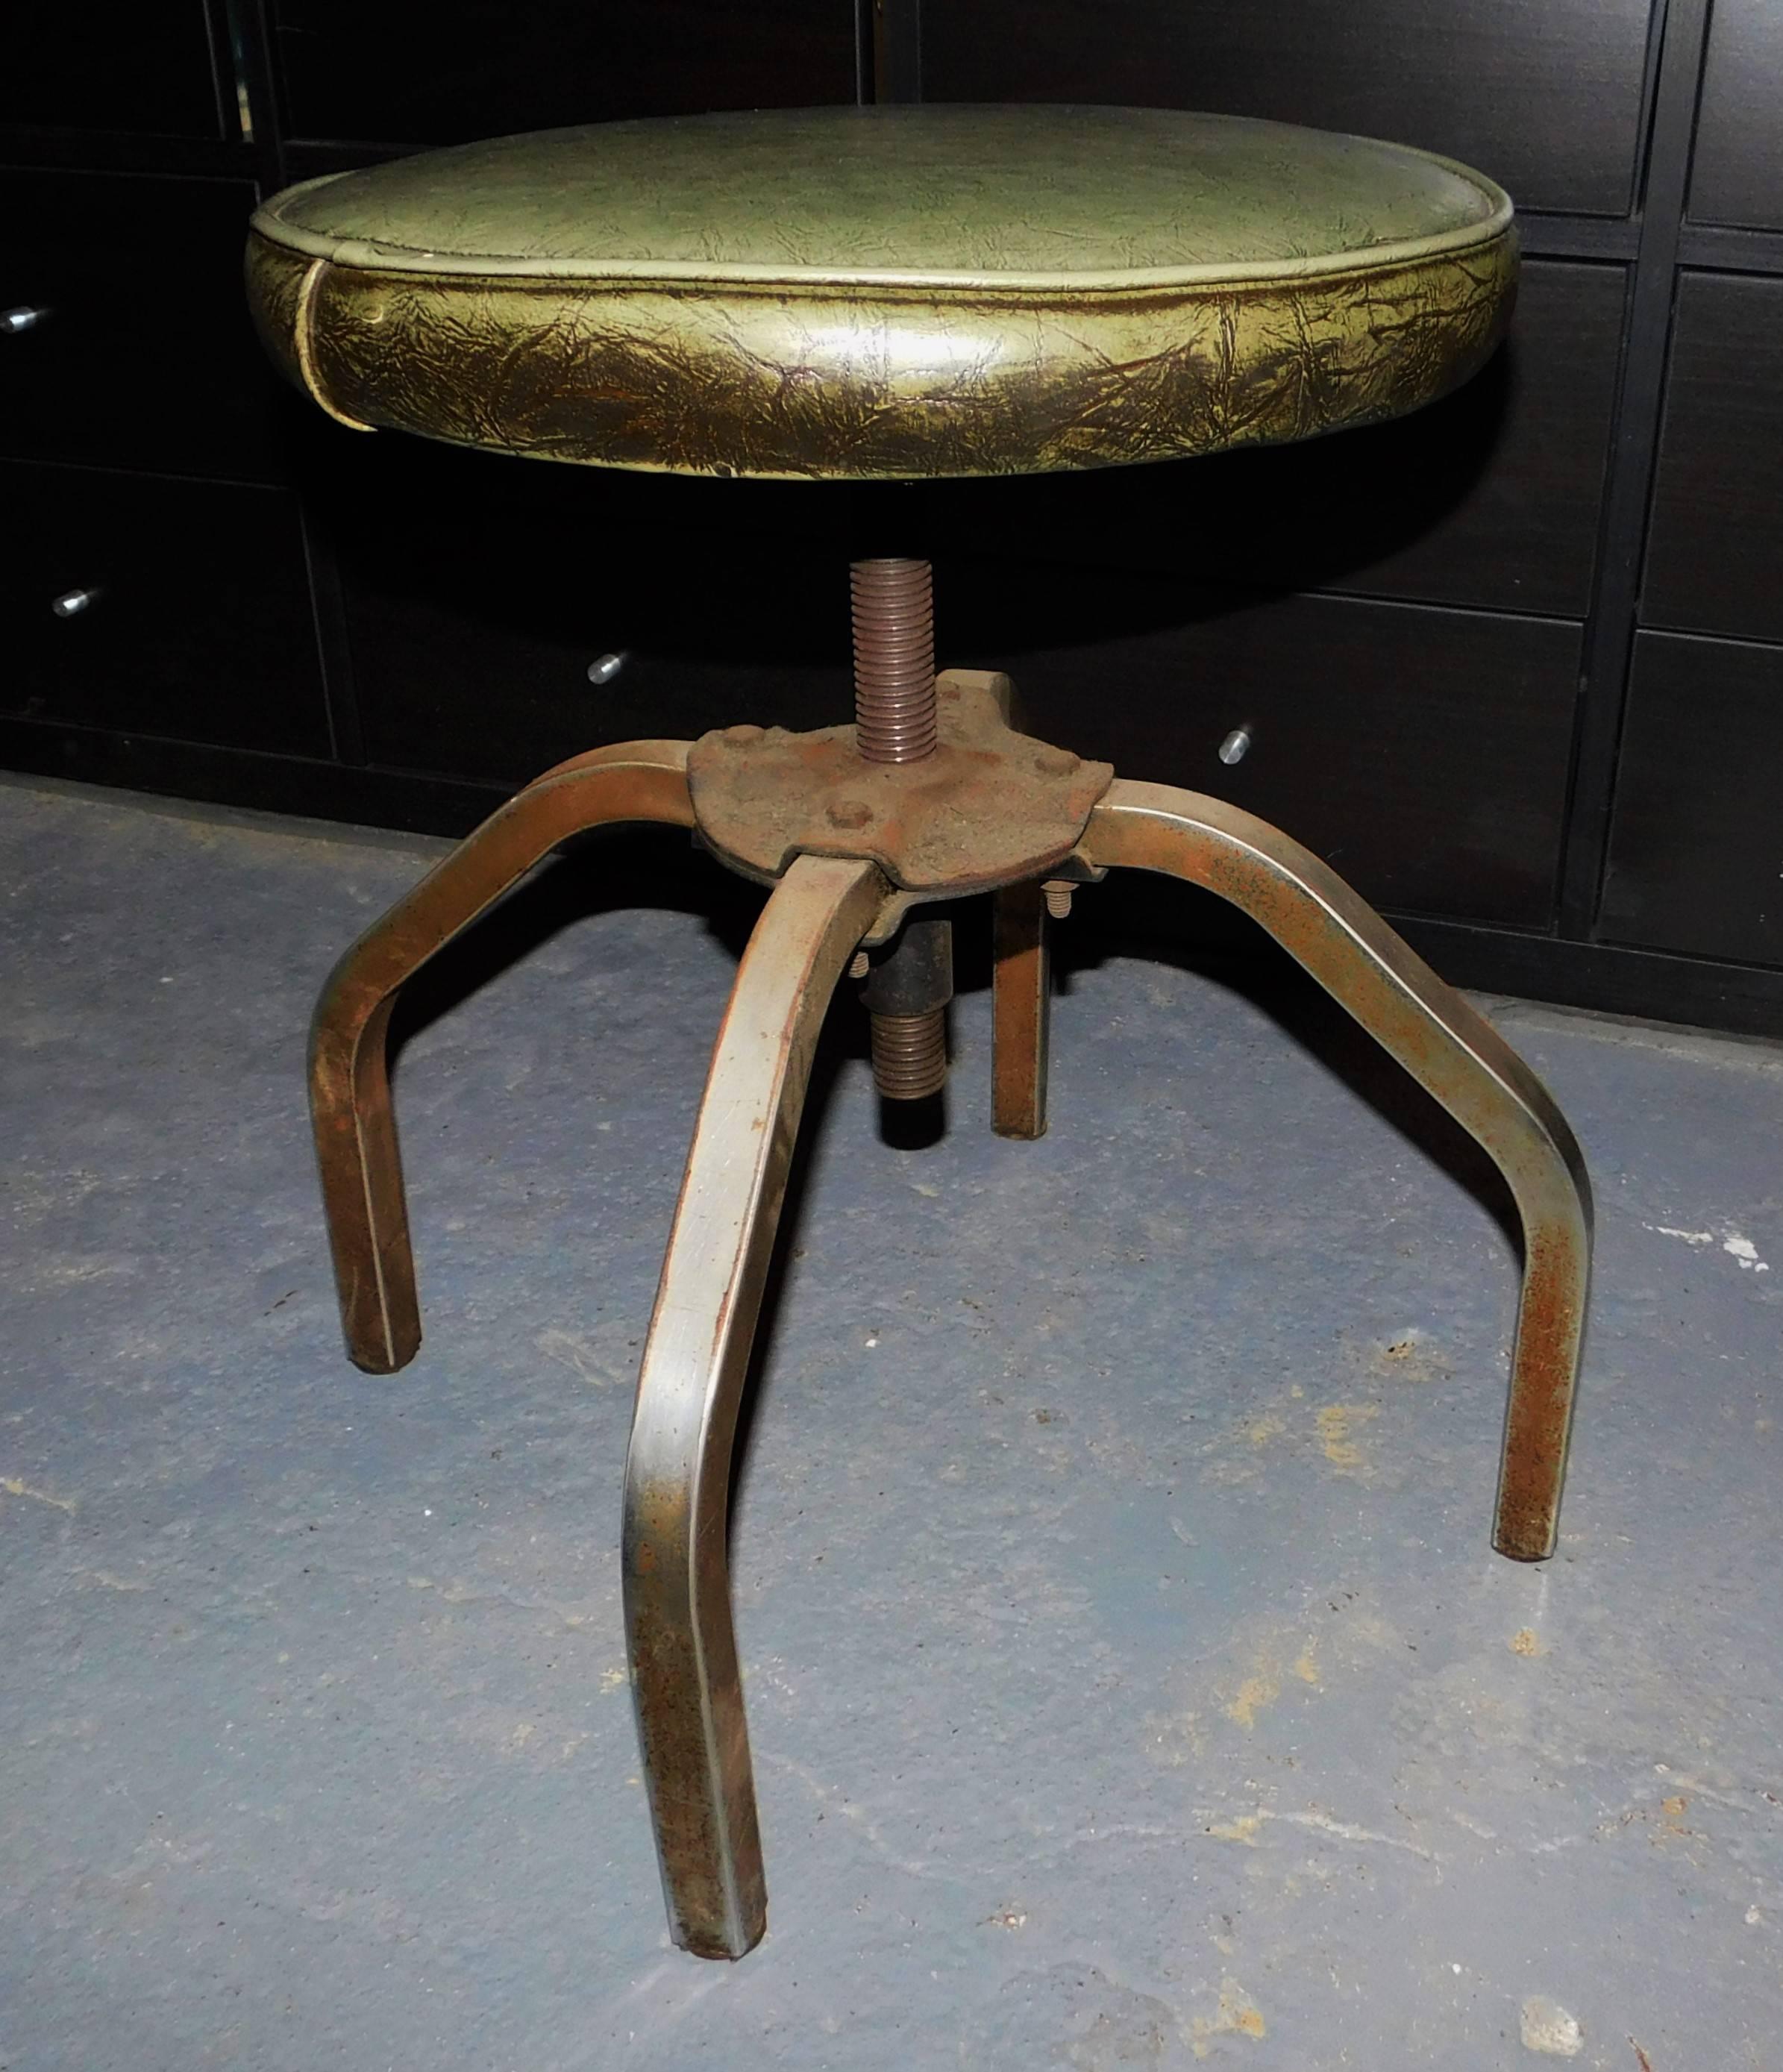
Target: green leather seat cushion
[901,291]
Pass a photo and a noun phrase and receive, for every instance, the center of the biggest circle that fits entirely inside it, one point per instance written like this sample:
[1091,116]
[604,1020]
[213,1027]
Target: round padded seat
[908,291]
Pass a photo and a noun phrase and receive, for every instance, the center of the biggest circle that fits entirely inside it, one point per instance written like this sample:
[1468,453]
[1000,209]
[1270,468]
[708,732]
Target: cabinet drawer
[145,357]
[460,696]
[479,590]
[1696,844]
[1546,99]
[1714,556]
[1736,172]
[386,72]
[1492,497]
[198,624]
[1423,753]
[146,71]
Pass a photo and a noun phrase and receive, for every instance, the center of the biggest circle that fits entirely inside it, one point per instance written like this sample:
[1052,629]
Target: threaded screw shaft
[909,1055]
[895,721]
[894,707]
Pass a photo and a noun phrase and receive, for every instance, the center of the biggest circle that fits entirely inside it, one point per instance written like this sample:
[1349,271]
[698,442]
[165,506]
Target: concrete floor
[1131,1681]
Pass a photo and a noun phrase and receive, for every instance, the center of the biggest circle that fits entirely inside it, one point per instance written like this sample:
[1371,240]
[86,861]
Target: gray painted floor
[1131,1681]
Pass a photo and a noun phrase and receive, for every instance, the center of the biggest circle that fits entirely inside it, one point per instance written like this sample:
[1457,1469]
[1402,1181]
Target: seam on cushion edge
[378,256]
[1024,297]
[305,340]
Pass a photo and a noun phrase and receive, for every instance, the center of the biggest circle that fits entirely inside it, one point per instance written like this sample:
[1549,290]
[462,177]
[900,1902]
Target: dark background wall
[1515,665]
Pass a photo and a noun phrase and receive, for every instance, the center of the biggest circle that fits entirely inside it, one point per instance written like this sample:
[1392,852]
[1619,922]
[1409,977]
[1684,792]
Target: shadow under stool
[890,293]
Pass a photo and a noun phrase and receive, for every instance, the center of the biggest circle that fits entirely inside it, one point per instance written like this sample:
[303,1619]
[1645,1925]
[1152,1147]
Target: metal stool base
[823,906]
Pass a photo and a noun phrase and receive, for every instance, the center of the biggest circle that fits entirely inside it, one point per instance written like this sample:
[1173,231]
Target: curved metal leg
[1451,1052]
[355,1134]
[677,1580]
[1021,1008]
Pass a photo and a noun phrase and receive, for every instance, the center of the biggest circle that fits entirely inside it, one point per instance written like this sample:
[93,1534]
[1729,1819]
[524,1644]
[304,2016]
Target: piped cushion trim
[841,292]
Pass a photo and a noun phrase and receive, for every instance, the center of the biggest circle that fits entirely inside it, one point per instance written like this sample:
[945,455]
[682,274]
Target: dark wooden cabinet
[1715,560]
[473,619]
[1737,176]
[145,357]
[186,611]
[1423,753]
[1544,97]
[147,69]
[1696,848]
[1493,497]
[381,71]
[1513,664]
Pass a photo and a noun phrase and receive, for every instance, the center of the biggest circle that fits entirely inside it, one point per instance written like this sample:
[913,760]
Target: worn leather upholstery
[844,292]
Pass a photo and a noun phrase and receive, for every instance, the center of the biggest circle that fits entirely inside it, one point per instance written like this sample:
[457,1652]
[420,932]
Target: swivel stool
[850,295]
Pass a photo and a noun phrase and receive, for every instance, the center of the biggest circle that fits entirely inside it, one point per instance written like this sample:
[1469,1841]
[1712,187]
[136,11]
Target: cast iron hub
[988,807]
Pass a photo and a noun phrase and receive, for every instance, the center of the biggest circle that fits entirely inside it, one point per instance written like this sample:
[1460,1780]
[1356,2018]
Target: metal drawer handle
[72,601]
[1236,745]
[27,316]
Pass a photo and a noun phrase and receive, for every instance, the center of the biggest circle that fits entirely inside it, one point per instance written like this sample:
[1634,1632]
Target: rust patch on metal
[705,1820]
[688,1817]
[1539,1425]
[1020,1004]
[988,807]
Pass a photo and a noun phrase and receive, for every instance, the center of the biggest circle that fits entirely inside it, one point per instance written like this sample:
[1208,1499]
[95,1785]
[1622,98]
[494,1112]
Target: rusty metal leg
[677,1580]
[349,1085]
[1451,1052]
[1020,1012]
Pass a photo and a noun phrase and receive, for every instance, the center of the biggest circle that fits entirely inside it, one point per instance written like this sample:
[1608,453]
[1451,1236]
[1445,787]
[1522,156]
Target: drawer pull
[604,668]
[73,601]
[1236,745]
[26,316]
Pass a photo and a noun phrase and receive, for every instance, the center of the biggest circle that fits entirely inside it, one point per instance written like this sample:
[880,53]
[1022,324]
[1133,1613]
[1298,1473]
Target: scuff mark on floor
[14,1486]
[1337,1428]
[1684,1237]
[575,1351]
[1548,2029]
[1262,1687]
[1242,1829]
[1346,1830]
[1735,1243]
[107,1581]
[1237,2015]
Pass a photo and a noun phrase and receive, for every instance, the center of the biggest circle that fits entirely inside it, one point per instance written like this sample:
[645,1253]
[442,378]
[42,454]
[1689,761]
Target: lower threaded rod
[907,990]
[909,1055]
